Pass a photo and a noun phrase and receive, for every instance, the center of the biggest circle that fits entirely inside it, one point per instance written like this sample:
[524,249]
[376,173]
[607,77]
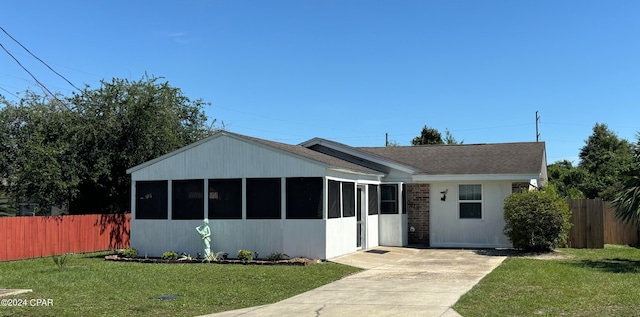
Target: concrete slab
[400,282]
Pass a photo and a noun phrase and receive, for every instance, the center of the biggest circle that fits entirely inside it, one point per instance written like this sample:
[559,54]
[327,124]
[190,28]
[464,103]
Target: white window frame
[480,201]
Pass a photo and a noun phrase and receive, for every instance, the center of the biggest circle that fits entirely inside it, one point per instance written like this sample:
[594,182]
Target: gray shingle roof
[500,158]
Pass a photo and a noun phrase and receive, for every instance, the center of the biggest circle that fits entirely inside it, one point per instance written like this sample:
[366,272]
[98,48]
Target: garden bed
[294,261]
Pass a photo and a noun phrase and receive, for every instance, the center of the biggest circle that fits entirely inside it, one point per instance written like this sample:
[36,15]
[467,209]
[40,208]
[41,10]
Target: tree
[428,136]
[536,220]
[79,155]
[605,158]
[626,199]
[566,178]
[449,139]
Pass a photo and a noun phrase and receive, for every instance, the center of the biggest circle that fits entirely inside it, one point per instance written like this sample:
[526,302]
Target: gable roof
[296,150]
[465,159]
[498,158]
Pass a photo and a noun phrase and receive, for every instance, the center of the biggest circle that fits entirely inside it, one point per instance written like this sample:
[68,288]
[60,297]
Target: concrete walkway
[396,282]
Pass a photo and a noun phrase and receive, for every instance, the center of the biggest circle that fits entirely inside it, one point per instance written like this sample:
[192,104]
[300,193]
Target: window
[225,198]
[334,199]
[304,198]
[151,200]
[373,199]
[348,199]
[470,198]
[263,198]
[389,199]
[187,200]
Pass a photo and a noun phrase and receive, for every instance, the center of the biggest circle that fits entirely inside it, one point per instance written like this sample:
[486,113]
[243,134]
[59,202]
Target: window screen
[470,198]
[348,199]
[187,199]
[151,200]
[334,199]
[225,198]
[263,198]
[389,199]
[373,199]
[304,198]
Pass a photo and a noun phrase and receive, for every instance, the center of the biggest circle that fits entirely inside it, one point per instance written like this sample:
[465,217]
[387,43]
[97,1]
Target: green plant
[536,220]
[60,260]
[245,255]
[170,255]
[276,256]
[213,257]
[129,253]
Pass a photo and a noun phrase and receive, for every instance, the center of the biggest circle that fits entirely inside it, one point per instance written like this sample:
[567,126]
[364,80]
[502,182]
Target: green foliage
[60,260]
[536,220]
[449,139]
[604,158]
[129,253]
[567,178]
[245,255]
[626,199]
[428,136]
[53,155]
[170,255]
[276,256]
[213,257]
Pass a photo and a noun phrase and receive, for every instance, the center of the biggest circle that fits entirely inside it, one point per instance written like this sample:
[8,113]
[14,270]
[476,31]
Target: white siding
[341,236]
[447,230]
[227,157]
[371,231]
[391,230]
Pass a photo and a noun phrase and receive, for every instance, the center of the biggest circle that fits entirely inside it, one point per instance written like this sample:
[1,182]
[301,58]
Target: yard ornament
[205,234]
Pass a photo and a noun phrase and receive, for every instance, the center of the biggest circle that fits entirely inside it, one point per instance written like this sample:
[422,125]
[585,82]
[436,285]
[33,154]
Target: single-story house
[322,199]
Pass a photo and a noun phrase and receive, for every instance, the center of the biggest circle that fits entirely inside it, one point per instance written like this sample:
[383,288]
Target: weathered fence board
[594,225]
[617,232]
[588,223]
[32,237]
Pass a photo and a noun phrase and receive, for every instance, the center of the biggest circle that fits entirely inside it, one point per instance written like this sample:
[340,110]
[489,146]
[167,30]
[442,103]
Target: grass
[89,286]
[589,282]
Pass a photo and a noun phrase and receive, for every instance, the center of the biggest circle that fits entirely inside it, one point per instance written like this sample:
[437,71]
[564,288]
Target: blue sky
[352,71]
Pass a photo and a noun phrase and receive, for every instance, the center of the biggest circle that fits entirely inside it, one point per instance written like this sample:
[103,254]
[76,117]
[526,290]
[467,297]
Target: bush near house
[536,220]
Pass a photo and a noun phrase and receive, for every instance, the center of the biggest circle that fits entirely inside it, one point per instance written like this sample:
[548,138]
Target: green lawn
[89,286]
[591,282]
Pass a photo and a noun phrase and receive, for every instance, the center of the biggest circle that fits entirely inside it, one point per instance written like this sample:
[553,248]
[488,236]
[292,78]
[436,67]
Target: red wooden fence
[32,237]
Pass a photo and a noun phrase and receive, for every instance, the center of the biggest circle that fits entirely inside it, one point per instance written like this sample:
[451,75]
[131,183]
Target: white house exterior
[322,199]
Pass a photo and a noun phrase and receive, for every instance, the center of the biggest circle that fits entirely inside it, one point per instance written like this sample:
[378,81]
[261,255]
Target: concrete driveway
[396,282]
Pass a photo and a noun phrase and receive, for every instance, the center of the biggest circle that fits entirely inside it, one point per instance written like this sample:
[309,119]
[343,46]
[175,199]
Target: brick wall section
[418,213]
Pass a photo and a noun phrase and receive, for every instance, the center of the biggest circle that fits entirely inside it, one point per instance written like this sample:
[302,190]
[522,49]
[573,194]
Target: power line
[9,92]
[36,57]
[34,77]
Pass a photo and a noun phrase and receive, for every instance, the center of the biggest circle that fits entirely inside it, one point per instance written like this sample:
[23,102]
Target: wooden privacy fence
[594,225]
[32,237]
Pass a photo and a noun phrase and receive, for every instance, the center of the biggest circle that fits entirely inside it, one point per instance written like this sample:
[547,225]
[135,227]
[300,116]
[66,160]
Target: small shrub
[129,253]
[245,255]
[536,220]
[170,255]
[60,260]
[213,257]
[276,256]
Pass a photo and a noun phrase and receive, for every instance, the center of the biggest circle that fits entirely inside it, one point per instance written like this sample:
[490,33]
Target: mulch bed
[294,261]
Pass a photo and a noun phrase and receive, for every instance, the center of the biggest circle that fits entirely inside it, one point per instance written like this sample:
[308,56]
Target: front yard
[584,282]
[89,286]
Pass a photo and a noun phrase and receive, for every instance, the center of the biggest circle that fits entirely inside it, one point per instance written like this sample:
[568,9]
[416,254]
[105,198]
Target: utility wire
[36,57]
[9,92]
[34,77]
